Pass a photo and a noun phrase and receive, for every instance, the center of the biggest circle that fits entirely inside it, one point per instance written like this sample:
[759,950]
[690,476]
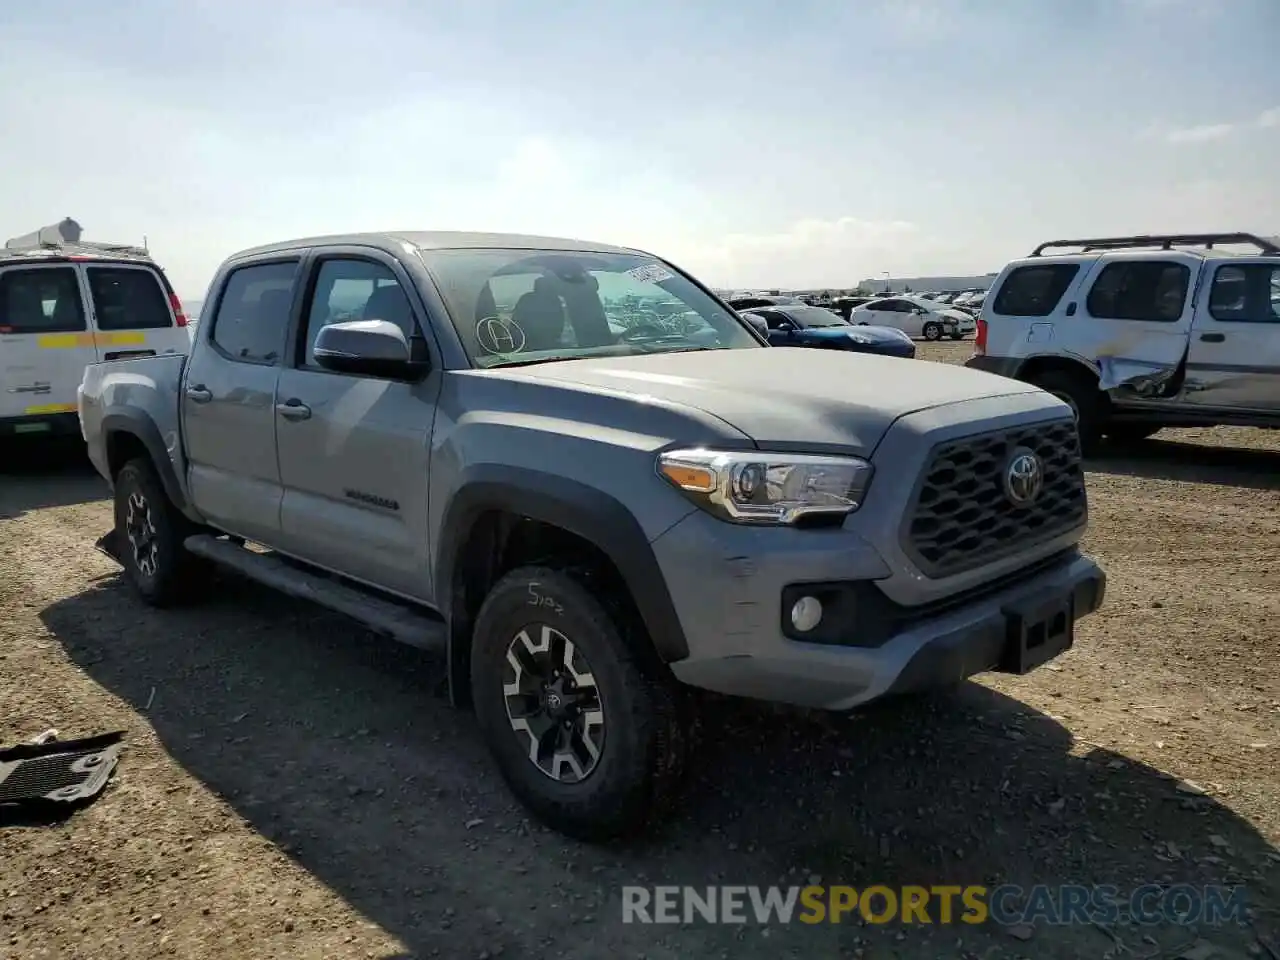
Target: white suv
[1139,333]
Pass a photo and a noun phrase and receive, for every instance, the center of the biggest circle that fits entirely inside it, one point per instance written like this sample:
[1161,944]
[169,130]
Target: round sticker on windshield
[498,336]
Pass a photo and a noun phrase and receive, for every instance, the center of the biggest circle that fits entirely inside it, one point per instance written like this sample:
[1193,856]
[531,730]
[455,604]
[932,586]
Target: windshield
[814,317]
[530,306]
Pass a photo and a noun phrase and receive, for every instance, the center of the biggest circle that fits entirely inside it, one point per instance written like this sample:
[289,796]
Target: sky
[755,144]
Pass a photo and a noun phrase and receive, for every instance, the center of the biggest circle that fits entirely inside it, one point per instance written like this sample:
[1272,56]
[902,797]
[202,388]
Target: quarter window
[1140,290]
[1249,293]
[253,313]
[43,300]
[355,290]
[1034,291]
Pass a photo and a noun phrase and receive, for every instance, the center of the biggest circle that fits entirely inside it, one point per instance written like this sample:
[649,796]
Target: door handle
[199,393]
[293,409]
[1213,337]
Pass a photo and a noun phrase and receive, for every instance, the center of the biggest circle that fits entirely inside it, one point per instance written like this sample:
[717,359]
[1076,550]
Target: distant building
[927,284]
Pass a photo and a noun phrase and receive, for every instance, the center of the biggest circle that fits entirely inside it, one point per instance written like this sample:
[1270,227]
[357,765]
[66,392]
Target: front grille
[961,517]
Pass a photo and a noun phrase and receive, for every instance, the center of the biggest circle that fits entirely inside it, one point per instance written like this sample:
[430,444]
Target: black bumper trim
[42,425]
[981,647]
[1001,366]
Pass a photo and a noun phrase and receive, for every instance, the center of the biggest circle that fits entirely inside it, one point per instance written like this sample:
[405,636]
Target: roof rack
[81,248]
[1164,241]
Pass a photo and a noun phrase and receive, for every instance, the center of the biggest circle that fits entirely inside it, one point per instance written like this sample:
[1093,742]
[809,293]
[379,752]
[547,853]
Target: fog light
[806,614]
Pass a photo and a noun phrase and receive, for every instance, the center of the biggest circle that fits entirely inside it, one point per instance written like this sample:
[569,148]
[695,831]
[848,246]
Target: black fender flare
[584,511]
[144,429]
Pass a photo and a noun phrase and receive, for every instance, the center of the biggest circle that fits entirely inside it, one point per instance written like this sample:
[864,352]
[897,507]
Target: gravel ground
[292,787]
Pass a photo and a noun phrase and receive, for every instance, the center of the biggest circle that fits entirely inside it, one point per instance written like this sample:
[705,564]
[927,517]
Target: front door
[229,401]
[45,343]
[1234,358]
[354,450]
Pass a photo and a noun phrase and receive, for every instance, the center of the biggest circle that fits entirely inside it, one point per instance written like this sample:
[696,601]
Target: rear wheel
[932,331]
[1083,397]
[584,727]
[150,532]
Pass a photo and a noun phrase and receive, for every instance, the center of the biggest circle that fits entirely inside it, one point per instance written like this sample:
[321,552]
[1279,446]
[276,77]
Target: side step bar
[396,620]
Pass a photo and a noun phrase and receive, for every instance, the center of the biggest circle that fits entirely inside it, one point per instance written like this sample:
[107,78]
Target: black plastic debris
[55,777]
[109,545]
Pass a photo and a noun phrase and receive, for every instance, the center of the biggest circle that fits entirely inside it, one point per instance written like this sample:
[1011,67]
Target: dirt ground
[293,788]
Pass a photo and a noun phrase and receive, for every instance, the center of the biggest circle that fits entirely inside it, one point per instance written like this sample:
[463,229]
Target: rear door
[1234,358]
[1135,322]
[229,402]
[45,341]
[132,312]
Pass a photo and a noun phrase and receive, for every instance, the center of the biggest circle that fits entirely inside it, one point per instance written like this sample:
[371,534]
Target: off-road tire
[636,778]
[172,574]
[1085,399]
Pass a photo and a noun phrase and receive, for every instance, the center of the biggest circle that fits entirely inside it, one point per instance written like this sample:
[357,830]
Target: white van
[64,306]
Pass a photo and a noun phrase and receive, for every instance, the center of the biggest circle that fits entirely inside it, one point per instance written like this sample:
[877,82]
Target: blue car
[801,326]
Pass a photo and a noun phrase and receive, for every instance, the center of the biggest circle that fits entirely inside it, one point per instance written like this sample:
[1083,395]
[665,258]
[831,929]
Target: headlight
[757,487]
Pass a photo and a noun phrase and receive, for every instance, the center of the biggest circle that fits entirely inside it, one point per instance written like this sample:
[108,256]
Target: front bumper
[1001,366]
[733,614]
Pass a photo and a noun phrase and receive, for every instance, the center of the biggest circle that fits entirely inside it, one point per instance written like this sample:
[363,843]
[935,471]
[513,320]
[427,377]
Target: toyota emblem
[1023,478]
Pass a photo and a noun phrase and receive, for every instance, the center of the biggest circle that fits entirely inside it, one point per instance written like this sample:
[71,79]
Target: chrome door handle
[293,410]
[199,393]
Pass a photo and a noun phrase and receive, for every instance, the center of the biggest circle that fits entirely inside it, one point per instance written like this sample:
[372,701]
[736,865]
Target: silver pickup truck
[502,447]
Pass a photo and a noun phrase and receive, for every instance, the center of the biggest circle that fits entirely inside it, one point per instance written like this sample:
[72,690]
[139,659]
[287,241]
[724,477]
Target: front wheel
[1084,399]
[957,336]
[584,727]
[150,532]
[932,331]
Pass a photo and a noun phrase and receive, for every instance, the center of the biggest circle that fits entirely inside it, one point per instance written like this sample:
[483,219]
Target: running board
[398,621]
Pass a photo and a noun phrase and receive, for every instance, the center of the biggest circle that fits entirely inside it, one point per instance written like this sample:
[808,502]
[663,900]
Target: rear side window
[1140,290]
[252,317]
[1034,291]
[1249,293]
[128,298]
[40,300]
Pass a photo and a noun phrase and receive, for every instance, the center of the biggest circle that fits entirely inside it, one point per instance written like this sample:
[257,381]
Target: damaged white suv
[1140,333]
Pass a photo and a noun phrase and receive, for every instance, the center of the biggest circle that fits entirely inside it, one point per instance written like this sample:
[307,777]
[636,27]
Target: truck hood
[784,398]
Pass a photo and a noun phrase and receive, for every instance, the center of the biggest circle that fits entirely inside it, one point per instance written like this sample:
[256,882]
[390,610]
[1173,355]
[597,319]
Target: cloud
[1269,118]
[1200,134]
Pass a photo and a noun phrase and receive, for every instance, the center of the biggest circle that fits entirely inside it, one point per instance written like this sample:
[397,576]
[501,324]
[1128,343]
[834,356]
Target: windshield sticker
[499,337]
[650,273]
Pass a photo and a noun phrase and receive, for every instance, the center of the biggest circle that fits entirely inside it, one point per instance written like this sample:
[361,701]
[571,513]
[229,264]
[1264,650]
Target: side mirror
[369,348]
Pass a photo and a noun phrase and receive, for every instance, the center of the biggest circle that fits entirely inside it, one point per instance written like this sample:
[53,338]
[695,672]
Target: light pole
[886,281]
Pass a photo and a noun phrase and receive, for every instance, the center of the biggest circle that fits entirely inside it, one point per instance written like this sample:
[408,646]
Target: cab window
[253,313]
[40,300]
[1249,293]
[350,289]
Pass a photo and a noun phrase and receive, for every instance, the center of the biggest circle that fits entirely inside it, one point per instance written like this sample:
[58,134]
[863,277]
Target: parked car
[916,317]
[64,305]
[816,327]
[846,305]
[764,300]
[1141,333]
[585,523]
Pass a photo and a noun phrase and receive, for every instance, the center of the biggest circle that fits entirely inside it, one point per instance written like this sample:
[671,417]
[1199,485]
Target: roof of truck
[394,240]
